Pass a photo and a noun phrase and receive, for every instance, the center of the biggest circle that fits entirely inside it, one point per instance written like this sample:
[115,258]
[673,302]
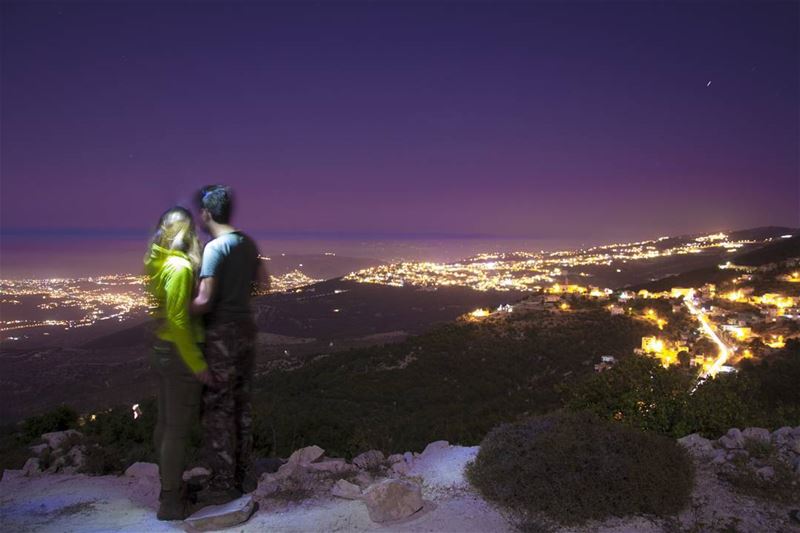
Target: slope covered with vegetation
[454,382]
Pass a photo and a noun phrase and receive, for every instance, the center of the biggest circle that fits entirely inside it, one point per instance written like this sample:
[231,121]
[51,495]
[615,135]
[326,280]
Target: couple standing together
[204,349]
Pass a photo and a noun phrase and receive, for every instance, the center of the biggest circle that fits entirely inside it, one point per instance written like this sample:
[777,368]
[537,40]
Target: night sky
[591,120]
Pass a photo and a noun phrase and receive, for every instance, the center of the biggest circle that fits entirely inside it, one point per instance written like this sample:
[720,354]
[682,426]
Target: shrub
[640,392]
[574,467]
[59,419]
[115,440]
[13,448]
[780,486]
[728,400]
[759,449]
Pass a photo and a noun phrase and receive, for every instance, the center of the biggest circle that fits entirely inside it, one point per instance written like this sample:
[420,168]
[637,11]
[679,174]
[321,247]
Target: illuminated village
[528,271]
[711,328]
[71,303]
[65,304]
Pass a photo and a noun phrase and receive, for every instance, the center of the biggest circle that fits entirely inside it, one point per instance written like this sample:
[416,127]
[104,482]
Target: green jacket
[171,283]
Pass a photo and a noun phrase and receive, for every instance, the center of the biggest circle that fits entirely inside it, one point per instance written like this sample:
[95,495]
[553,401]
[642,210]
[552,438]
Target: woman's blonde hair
[176,231]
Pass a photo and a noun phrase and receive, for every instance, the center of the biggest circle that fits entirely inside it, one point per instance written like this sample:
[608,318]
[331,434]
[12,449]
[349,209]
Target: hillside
[455,382]
[297,326]
[336,309]
[773,252]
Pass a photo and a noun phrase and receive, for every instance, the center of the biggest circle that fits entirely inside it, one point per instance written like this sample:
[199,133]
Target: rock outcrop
[409,492]
[306,471]
[60,452]
[370,477]
[751,448]
[57,439]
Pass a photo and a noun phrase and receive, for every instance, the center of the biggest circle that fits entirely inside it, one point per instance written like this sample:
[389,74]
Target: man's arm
[205,295]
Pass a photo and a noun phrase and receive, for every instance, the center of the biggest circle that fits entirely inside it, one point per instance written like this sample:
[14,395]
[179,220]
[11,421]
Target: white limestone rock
[782,435]
[223,516]
[307,455]
[334,466]
[345,489]
[401,468]
[732,440]
[363,479]
[31,467]
[144,471]
[39,449]
[696,444]
[57,439]
[367,460]
[756,434]
[435,446]
[393,499]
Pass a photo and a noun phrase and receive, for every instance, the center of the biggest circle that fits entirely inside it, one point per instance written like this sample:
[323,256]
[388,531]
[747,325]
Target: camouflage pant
[227,416]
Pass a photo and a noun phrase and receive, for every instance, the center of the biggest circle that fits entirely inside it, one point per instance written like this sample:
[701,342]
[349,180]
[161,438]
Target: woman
[171,263]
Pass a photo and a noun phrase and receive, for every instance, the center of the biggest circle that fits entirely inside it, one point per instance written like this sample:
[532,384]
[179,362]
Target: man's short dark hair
[218,200]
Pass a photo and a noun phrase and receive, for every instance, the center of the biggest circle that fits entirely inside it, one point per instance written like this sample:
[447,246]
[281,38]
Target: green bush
[115,440]
[722,403]
[13,448]
[639,392]
[574,467]
[59,419]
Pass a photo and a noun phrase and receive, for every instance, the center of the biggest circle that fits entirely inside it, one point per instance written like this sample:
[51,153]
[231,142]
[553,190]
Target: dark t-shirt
[232,260]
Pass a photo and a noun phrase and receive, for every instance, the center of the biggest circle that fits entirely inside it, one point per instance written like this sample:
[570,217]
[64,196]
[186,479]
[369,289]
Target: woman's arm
[178,296]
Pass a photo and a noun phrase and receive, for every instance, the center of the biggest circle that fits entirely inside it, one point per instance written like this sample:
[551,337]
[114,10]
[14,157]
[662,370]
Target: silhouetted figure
[171,263]
[229,268]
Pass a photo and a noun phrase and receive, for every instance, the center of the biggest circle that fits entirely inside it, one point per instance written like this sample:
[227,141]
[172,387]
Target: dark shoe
[172,506]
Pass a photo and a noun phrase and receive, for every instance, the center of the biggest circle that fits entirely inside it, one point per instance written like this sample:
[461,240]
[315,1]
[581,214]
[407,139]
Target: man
[229,269]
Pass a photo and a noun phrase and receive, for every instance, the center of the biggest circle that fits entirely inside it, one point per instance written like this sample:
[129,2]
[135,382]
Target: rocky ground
[299,497]
[420,492]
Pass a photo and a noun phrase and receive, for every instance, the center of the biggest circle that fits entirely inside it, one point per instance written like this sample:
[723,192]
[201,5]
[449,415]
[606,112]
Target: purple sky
[589,120]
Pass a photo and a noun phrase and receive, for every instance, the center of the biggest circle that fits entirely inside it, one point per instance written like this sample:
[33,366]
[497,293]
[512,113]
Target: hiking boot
[172,506]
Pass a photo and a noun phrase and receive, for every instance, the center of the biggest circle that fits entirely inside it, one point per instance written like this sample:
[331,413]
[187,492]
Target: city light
[479,313]
[88,301]
[531,271]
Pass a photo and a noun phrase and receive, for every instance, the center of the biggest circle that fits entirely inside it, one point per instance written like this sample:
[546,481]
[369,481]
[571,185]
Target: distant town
[70,303]
[711,326]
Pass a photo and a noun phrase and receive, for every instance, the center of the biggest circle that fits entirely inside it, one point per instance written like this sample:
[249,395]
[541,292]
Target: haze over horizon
[592,122]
